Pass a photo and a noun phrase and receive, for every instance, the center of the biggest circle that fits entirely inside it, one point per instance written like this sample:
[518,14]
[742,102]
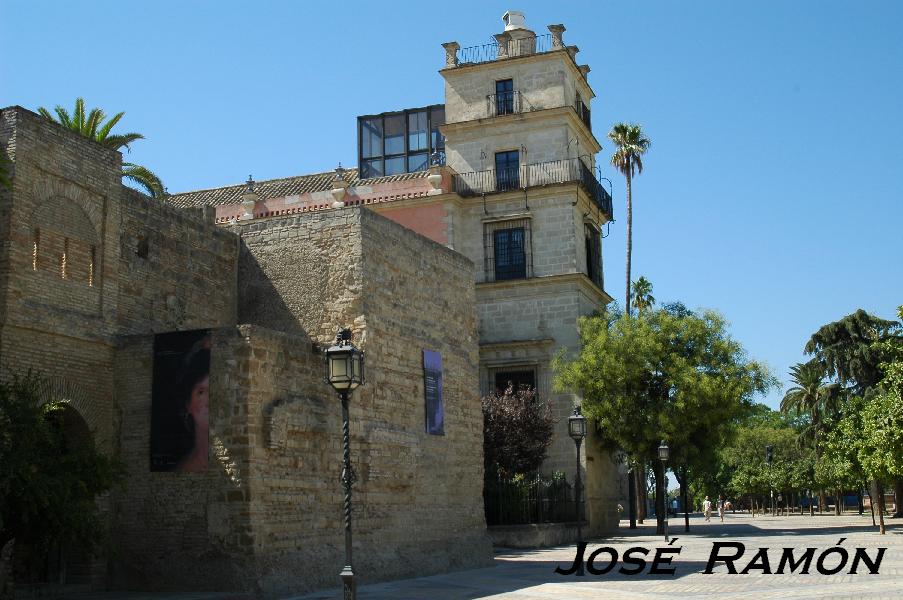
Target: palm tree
[92,126]
[628,159]
[642,294]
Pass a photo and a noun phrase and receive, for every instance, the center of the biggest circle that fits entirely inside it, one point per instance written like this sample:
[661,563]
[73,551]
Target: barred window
[508,252]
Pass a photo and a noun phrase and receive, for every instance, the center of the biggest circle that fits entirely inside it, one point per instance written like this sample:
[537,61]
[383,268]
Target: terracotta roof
[280,188]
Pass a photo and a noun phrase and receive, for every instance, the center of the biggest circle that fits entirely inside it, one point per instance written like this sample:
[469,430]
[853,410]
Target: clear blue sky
[772,192]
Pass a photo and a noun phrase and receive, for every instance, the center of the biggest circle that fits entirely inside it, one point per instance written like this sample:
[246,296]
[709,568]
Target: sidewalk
[529,574]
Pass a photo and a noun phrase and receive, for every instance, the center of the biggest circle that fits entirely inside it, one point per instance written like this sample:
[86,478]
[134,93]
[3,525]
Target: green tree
[91,125]
[668,374]
[47,483]
[631,145]
[848,350]
[642,294]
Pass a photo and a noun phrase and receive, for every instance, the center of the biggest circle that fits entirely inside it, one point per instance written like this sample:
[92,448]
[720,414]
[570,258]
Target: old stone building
[513,187]
[91,273]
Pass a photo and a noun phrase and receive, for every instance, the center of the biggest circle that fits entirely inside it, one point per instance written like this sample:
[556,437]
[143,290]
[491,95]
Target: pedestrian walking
[721,507]
[707,509]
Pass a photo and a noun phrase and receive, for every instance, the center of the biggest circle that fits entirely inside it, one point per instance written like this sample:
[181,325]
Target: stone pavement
[529,575]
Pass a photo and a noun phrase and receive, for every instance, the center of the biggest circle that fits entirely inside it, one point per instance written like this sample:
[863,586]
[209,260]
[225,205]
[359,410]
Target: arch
[64,216]
[59,389]
[49,188]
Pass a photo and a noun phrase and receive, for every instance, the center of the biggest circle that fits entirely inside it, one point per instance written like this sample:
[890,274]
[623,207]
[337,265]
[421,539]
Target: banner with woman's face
[180,401]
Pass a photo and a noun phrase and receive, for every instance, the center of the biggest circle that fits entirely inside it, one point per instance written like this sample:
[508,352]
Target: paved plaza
[529,574]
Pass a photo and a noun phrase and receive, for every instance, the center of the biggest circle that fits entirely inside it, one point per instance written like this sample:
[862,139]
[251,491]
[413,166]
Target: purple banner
[432,391]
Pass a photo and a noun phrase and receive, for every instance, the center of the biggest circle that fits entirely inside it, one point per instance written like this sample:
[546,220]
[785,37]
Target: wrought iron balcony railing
[494,181]
[504,103]
[510,49]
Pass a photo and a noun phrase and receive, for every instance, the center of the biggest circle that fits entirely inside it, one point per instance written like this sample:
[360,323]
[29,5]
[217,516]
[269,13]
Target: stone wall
[75,275]
[418,500]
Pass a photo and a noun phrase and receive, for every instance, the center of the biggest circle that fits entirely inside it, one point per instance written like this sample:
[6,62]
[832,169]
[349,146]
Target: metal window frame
[429,109]
[489,258]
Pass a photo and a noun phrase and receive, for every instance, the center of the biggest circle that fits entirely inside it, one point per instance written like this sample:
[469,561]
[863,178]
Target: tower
[520,145]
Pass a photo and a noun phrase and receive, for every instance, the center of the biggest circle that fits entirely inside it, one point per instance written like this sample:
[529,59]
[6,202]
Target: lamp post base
[349,585]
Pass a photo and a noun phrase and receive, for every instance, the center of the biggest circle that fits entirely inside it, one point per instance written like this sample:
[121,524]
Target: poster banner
[432,390]
[180,401]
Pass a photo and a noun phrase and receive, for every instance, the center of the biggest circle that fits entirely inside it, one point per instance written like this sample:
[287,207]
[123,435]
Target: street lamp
[577,431]
[663,453]
[345,372]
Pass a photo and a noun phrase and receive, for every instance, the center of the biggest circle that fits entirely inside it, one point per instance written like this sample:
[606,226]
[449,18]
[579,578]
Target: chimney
[514,19]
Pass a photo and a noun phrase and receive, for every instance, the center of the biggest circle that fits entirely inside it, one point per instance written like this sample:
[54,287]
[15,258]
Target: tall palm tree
[628,159]
[92,126]
[642,294]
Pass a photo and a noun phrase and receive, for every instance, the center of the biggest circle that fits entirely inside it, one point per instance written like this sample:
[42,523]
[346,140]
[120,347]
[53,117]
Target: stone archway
[61,567]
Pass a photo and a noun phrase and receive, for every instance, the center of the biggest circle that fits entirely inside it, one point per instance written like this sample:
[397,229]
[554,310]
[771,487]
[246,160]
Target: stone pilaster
[557,36]
[451,54]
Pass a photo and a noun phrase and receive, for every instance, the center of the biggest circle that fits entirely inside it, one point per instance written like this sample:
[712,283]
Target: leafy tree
[848,351]
[47,484]
[631,145]
[92,126]
[671,375]
[642,294]
[517,431]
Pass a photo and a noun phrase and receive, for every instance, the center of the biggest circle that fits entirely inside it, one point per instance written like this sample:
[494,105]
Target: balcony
[505,103]
[571,170]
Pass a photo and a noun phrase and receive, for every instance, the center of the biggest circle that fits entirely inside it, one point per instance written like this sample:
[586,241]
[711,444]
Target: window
[399,142]
[593,254]
[417,139]
[507,170]
[517,377]
[504,97]
[507,250]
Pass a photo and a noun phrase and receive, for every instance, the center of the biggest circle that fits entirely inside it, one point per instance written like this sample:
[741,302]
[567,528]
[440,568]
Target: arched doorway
[47,567]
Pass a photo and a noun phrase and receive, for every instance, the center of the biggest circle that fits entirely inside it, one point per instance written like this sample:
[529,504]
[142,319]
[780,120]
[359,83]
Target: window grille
[508,250]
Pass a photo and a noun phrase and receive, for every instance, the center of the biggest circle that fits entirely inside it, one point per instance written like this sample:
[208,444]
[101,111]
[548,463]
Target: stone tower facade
[519,139]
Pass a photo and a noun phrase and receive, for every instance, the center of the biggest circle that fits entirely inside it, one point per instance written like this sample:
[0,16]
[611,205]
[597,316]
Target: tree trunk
[872,502]
[631,498]
[837,500]
[660,500]
[629,238]
[641,493]
[683,495]
[880,488]
[898,498]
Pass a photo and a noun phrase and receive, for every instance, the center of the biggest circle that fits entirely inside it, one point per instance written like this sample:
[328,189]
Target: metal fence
[494,51]
[520,501]
[544,173]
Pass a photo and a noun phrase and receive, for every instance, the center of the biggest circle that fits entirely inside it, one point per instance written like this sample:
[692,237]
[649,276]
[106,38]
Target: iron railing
[519,501]
[504,103]
[525,176]
[512,48]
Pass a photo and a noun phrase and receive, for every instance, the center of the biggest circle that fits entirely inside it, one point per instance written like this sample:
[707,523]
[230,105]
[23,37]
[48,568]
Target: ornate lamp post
[663,453]
[345,372]
[577,431]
